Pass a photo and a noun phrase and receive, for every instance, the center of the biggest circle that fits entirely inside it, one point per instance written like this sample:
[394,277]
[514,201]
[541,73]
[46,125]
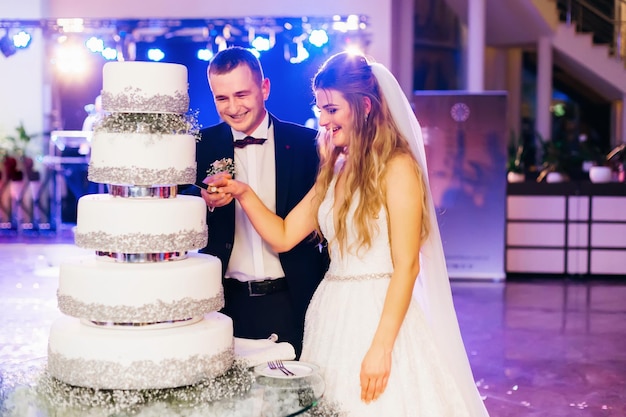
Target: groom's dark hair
[230,58]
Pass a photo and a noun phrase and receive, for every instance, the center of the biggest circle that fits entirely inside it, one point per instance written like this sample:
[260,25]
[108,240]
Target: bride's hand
[375,370]
[227,186]
[211,195]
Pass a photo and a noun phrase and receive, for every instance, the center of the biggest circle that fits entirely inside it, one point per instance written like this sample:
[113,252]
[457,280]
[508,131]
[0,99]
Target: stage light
[301,54]
[95,44]
[318,37]
[205,54]
[354,49]
[71,59]
[6,46]
[21,39]
[221,43]
[109,54]
[352,22]
[261,44]
[155,54]
[73,25]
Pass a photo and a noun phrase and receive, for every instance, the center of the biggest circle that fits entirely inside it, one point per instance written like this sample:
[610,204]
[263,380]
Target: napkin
[258,351]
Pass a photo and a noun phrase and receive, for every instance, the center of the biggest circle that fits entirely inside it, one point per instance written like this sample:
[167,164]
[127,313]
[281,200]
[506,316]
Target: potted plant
[18,163]
[599,169]
[515,161]
[556,159]
[20,171]
[617,160]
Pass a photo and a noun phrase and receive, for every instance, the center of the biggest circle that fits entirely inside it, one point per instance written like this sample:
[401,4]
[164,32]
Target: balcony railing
[604,19]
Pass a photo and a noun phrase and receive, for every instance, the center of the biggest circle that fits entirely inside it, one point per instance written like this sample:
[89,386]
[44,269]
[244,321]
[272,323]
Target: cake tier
[102,290]
[144,87]
[165,159]
[141,225]
[140,358]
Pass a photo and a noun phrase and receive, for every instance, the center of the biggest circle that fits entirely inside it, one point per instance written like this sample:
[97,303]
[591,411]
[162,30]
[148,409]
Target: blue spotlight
[318,37]
[155,54]
[21,39]
[205,54]
[261,44]
[109,54]
[95,44]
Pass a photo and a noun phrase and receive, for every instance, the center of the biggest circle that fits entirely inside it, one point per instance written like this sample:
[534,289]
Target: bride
[381,325]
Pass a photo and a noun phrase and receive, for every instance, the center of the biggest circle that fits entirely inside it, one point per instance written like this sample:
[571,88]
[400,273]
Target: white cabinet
[568,229]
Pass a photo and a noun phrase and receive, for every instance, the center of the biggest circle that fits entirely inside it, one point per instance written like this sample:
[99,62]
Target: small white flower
[222,165]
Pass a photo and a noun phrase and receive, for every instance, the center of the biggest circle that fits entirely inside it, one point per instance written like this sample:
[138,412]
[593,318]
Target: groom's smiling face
[240,98]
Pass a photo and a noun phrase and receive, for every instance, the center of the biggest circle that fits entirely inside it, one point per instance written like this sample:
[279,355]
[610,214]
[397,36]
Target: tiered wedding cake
[144,307]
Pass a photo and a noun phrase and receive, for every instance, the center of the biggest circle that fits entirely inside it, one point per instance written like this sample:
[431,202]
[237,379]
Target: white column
[543,119]
[514,87]
[403,41]
[476,46]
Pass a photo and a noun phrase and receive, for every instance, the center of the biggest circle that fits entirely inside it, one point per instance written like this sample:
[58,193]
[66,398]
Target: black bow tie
[248,140]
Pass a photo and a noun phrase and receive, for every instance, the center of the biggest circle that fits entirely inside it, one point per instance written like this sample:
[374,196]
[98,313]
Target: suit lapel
[224,144]
[284,161]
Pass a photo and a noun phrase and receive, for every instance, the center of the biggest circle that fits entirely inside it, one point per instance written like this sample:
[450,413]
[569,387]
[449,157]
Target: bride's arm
[280,234]
[404,206]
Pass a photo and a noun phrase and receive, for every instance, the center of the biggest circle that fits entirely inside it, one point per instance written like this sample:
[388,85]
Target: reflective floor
[551,348]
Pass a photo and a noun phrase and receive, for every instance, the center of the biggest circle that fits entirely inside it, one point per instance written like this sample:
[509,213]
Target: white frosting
[83,355]
[103,290]
[146,87]
[168,339]
[141,225]
[162,156]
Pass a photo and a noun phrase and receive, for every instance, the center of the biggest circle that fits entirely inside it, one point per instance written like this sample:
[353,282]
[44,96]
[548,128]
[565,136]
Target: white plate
[300,369]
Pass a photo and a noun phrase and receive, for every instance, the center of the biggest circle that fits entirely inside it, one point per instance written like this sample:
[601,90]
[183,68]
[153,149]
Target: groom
[264,292]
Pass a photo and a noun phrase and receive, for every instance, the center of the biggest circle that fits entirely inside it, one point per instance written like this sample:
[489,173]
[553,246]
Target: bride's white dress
[340,323]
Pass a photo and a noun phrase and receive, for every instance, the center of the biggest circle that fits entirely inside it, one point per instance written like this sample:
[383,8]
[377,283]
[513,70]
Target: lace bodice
[373,260]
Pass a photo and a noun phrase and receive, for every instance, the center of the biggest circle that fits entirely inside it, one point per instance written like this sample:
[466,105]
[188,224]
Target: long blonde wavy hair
[375,140]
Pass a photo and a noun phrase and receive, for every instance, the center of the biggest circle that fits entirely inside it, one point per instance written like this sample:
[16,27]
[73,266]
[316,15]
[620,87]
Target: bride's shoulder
[400,165]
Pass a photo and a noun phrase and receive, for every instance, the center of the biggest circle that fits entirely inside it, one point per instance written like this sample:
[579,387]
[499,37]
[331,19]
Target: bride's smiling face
[335,115]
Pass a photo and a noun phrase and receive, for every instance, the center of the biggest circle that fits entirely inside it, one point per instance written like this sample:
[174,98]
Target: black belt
[257,288]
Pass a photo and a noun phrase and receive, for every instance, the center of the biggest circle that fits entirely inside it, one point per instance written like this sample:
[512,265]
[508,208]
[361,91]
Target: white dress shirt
[252,259]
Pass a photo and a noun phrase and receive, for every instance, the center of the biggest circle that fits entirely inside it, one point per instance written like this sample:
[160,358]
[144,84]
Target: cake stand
[26,390]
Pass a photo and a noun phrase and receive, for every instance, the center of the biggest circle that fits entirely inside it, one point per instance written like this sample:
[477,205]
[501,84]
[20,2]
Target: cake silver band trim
[184,240]
[152,325]
[138,175]
[143,257]
[143,374]
[135,100]
[157,312]
[138,191]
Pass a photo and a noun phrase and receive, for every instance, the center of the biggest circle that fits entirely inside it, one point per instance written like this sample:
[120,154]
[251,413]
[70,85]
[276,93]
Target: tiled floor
[538,349]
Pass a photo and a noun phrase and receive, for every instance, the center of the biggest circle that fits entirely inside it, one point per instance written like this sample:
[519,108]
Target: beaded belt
[257,288]
[364,277]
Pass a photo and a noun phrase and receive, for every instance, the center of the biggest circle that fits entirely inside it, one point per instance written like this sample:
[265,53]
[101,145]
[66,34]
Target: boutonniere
[221,165]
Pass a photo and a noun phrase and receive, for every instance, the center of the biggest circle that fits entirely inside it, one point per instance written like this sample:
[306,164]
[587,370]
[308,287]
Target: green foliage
[516,152]
[557,156]
[16,145]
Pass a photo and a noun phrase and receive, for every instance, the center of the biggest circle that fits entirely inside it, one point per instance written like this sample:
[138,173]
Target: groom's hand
[212,196]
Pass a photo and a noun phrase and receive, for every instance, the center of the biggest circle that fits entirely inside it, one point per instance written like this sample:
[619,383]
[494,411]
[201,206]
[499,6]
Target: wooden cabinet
[572,228]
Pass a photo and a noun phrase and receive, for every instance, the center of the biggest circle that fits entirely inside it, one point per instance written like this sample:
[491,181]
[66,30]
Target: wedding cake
[142,312]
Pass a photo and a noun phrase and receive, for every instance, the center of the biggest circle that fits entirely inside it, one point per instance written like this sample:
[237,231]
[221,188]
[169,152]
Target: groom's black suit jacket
[297,163]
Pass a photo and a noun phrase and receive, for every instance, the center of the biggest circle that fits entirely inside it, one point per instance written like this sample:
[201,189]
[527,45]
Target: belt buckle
[251,292]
